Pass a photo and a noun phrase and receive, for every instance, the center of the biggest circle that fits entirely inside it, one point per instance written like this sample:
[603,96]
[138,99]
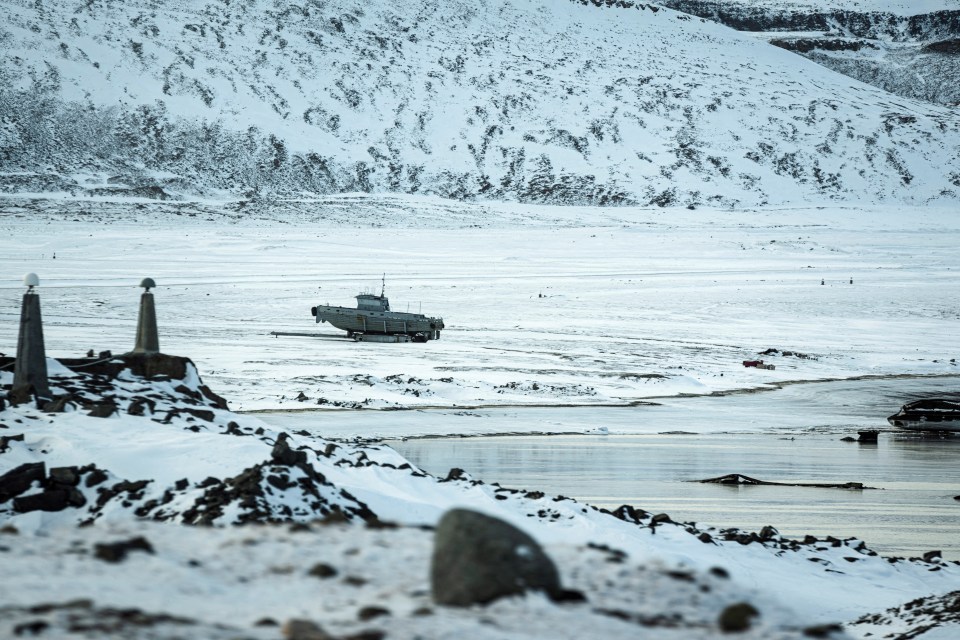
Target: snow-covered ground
[543,306]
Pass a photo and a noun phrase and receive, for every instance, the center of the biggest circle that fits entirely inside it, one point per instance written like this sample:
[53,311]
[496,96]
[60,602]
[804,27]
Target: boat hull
[358,321]
[928,415]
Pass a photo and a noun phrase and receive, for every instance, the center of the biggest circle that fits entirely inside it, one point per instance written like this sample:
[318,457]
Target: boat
[932,414]
[373,317]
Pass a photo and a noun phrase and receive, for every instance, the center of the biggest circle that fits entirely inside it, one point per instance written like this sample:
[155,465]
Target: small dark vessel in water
[372,317]
[933,414]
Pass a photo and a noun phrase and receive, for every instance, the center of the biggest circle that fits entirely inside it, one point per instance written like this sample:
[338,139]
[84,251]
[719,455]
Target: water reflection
[911,510]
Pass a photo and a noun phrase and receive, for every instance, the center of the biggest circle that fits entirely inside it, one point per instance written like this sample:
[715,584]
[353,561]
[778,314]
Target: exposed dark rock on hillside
[908,55]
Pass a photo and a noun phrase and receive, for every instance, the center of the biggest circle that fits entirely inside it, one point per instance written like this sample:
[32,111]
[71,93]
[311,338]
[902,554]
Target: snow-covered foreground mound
[340,535]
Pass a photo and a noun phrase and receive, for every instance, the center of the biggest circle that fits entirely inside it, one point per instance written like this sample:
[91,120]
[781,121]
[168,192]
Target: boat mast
[383,285]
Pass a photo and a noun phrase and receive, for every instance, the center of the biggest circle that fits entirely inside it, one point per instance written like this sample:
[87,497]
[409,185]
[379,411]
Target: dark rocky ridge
[936,25]
[906,55]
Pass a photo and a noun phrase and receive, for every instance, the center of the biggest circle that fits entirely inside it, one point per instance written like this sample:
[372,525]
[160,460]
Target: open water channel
[652,457]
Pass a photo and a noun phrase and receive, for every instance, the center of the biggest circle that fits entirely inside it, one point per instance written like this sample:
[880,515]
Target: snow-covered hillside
[550,101]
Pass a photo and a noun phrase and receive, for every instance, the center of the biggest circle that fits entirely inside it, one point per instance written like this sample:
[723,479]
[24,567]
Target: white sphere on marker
[31,280]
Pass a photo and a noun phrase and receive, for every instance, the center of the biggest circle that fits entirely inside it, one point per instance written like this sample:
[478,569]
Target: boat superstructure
[372,316]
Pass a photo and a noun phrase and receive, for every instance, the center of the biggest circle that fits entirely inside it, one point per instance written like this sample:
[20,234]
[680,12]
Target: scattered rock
[6,440]
[21,395]
[369,613]
[33,628]
[138,407]
[266,622]
[59,403]
[478,558]
[322,570]
[283,454]
[769,533]
[296,629]
[49,500]
[366,634]
[737,617]
[117,551]
[720,572]
[69,476]
[19,479]
[930,556]
[102,410]
[95,477]
[822,630]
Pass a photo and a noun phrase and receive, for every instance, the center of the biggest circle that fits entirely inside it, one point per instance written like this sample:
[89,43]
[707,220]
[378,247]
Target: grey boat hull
[934,414]
[359,321]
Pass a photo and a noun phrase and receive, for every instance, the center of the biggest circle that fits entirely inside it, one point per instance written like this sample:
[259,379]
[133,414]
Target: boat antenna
[383,285]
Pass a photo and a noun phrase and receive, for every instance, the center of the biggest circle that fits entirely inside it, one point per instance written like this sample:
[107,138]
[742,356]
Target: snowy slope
[550,101]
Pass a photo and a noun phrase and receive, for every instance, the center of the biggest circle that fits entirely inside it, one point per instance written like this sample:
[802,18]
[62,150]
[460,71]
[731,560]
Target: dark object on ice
[933,414]
[477,559]
[822,630]
[869,436]
[737,617]
[758,364]
[740,479]
[117,551]
[373,317]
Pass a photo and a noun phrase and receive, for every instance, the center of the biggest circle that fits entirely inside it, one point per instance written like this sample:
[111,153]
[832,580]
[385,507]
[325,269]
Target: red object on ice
[752,363]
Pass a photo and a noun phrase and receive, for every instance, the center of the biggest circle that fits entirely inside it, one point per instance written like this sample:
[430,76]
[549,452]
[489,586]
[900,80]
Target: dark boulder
[283,454]
[102,410]
[69,476]
[49,500]
[737,617]
[59,403]
[117,551]
[297,629]
[19,479]
[6,440]
[478,558]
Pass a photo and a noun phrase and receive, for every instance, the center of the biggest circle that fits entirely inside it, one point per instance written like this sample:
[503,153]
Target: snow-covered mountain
[907,48]
[565,101]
